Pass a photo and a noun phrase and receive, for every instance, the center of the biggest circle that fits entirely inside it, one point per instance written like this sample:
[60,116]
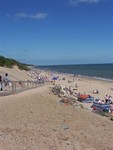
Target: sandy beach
[36,119]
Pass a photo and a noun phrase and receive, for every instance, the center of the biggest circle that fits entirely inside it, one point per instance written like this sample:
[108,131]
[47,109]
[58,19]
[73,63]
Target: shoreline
[90,83]
[76,75]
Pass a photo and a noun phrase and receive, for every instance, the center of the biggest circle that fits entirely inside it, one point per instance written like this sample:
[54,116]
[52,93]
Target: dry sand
[36,120]
[15,73]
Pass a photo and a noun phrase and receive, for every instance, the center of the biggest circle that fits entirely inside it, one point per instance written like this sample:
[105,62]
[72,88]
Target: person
[1,84]
[95,91]
[6,80]
[106,98]
[110,99]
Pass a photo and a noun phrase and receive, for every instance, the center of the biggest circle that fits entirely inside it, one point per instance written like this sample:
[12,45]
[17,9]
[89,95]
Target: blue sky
[48,32]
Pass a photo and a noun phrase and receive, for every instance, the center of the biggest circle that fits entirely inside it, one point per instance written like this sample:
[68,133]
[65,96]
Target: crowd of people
[4,82]
[108,99]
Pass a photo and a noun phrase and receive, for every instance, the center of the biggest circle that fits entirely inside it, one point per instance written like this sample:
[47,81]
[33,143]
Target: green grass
[9,63]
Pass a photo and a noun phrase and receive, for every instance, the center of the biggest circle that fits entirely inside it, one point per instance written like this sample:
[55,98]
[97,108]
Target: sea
[98,71]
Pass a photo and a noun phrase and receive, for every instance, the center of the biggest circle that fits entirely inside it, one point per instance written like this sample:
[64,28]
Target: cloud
[38,15]
[75,2]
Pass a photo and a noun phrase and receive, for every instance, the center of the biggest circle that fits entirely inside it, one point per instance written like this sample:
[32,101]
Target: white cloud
[75,2]
[22,15]
[38,15]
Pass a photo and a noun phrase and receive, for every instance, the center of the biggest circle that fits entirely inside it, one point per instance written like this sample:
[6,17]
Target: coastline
[35,119]
[78,75]
[98,71]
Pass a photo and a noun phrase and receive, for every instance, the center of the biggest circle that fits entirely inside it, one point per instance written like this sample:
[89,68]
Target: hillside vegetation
[9,63]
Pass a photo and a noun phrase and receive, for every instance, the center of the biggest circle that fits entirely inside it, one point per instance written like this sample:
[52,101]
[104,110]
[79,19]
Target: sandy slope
[36,120]
[15,73]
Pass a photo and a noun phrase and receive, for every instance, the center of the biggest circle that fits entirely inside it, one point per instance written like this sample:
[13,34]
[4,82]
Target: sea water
[99,71]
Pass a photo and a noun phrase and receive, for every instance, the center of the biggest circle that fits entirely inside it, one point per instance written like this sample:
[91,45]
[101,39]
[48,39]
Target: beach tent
[54,78]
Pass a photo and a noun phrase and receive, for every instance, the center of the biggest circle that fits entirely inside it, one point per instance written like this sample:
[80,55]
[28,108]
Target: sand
[15,74]
[36,119]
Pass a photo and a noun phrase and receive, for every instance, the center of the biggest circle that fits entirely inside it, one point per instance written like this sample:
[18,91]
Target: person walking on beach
[1,84]
[6,80]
